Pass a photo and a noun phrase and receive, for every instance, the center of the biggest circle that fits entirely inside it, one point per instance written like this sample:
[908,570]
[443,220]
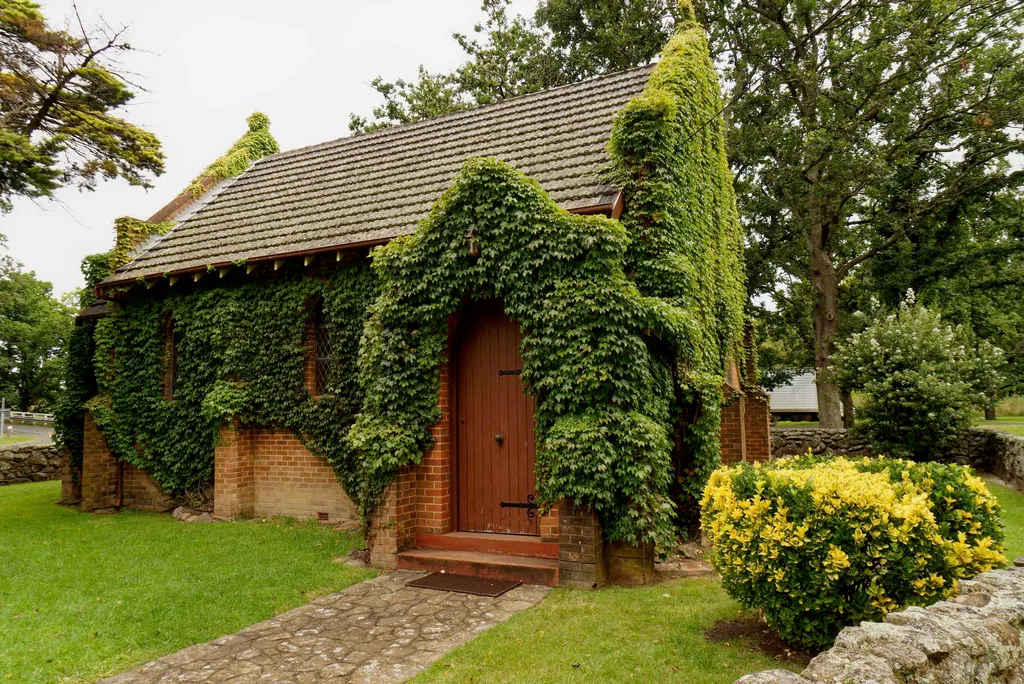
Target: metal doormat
[464,584]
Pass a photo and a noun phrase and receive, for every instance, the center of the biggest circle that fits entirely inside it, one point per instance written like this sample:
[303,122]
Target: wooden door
[494,440]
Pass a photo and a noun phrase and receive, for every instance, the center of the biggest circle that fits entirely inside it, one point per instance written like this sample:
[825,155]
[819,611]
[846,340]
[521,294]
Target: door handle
[499,438]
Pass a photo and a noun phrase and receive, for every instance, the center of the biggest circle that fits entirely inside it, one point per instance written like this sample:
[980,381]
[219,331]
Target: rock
[840,665]
[691,551]
[202,518]
[772,677]
[180,513]
[977,600]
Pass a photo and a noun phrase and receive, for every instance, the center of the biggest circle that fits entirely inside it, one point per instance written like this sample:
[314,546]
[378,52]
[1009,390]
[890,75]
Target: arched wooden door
[494,440]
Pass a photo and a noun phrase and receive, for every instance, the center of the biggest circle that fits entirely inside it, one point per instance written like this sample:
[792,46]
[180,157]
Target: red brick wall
[733,428]
[581,549]
[289,480]
[141,492]
[433,493]
[99,469]
[393,528]
[549,526]
[233,476]
[100,473]
[70,481]
[758,426]
[630,565]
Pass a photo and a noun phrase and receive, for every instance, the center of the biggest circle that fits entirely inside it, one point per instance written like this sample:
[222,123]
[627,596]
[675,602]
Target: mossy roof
[379,185]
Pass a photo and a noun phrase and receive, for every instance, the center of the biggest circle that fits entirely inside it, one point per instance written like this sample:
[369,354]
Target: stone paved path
[376,631]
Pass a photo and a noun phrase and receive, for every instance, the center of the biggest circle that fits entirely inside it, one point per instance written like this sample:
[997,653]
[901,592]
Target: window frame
[321,352]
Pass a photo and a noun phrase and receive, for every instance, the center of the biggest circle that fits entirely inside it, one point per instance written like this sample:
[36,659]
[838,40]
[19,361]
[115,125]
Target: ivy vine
[625,324]
[255,144]
[239,355]
[628,326]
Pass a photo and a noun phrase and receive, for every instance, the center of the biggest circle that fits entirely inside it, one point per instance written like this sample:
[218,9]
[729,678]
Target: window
[172,378]
[321,353]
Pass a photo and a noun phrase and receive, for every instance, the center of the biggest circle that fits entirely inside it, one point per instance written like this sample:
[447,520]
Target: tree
[34,328]
[58,91]
[510,57]
[855,123]
[969,265]
[922,377]
[428,96]
[603,36]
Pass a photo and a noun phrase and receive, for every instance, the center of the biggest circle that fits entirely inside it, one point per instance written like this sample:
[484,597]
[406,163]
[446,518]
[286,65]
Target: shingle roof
[376,186]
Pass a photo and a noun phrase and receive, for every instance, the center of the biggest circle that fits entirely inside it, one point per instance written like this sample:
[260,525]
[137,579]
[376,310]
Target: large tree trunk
[825,284]
[849,410]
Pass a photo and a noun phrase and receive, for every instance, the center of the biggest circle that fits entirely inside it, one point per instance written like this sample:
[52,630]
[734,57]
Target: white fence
[27,417]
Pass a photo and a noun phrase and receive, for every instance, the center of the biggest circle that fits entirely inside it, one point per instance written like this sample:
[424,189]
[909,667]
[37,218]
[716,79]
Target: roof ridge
[450,115]
[379,185]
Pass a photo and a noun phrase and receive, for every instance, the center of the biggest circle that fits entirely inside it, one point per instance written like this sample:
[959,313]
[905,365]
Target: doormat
[464,584]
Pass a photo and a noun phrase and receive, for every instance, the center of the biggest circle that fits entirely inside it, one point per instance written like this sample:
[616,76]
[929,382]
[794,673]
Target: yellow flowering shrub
[820,544]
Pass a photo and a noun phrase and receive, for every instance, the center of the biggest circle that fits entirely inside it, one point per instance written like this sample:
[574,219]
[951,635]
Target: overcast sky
[207,65]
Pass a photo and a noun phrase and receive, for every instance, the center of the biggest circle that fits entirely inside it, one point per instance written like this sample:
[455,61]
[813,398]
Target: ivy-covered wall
[129,235]
[628,327]
[686,242]
[239,353]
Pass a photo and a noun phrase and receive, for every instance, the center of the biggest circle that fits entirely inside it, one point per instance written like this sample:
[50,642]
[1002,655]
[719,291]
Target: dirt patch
[754,634]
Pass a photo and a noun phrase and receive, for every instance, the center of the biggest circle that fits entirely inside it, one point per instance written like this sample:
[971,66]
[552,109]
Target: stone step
[485,542]
[679,568]
[542,571]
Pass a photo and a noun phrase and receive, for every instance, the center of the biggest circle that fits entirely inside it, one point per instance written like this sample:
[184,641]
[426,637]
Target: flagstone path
[376,631]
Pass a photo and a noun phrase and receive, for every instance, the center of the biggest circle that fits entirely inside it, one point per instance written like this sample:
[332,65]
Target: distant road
[40,434]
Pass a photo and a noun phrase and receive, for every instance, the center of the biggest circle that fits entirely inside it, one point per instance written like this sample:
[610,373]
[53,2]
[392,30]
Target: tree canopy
[855,129]
[857,126]
[34,328]
[58,94]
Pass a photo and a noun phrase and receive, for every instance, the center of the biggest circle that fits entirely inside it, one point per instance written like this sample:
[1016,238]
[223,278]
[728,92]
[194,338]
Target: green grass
[1012,503]
[796,423]
[14,439]
[648,634]
[1011,406]
[641,635]
[82,596]
[1011,424]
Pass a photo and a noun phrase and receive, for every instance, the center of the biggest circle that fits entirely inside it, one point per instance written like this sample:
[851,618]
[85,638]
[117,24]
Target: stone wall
[30,463]
[976,637]
[797,441]
[987,450]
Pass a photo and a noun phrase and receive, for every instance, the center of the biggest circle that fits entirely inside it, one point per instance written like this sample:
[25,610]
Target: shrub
[820,544]
[923,380]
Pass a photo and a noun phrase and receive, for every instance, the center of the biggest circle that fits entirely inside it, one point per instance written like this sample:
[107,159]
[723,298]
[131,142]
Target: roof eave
[611,205]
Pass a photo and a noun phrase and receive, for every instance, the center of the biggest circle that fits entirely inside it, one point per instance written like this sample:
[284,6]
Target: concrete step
[478,564]
[485,542]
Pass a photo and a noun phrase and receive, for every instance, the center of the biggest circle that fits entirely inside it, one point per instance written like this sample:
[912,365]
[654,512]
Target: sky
[207,65]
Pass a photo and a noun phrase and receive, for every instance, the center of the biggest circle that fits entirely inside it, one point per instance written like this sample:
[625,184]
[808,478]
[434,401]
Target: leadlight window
[322,353]
[172,380]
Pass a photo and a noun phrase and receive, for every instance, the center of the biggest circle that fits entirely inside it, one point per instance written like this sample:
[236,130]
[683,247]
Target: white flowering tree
[923,380]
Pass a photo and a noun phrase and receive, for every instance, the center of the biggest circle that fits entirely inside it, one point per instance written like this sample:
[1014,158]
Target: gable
[373,187]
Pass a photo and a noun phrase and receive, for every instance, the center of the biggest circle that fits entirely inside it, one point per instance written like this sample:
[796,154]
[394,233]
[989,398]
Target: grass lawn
[796,424]
[648,634]
[1012,503]
[13,439]
[82,596]
[641,635]
[1012,424]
